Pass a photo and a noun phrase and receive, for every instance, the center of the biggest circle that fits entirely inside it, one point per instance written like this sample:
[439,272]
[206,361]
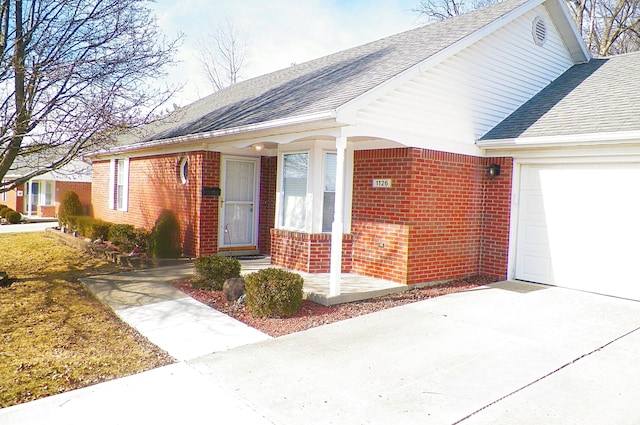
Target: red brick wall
[306,252]
[154,185]
[496,220]
[208,168]
[429,225]
[13,201]
[268,177]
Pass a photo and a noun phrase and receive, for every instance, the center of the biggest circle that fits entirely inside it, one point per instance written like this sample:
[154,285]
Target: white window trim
[112,185]
[315,184]
[113,182]
[308,197]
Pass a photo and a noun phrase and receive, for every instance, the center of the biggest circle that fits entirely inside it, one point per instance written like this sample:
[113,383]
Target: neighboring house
[41,196]
[376,160]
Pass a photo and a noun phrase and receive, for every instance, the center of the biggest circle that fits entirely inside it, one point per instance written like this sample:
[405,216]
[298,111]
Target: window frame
[305,217]
[119,184]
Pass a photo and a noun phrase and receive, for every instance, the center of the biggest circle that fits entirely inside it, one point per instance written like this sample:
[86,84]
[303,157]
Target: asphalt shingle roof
[600,96]
[326,83]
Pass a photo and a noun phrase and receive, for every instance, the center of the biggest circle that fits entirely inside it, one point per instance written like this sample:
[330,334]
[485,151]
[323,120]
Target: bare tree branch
[221,55]
[608,27]
[73,73]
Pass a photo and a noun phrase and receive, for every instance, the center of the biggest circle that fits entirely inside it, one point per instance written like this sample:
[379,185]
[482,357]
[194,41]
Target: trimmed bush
[142,238]
[69,207]
[13,217]
[124,236]
[212,271]
[91,227]
[4,211]
[273,293]
[165,236]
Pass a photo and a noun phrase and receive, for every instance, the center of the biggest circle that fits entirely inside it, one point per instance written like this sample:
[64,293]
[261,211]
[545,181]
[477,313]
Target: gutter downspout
[337,227]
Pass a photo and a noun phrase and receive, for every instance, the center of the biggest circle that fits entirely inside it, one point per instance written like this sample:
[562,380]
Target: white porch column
[337,227]
[29,197]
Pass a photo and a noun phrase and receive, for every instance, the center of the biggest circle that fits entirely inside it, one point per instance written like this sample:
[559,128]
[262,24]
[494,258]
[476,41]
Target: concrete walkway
[175,322]
[506,353]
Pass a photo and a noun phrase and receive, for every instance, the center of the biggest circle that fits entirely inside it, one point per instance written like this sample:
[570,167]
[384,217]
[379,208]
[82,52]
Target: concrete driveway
[510,353]
[507,353]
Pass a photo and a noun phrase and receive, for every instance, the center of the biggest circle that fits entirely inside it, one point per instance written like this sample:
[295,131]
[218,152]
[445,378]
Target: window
[119,184]
[295,170]
[46,197]
[184,170]
[329,198]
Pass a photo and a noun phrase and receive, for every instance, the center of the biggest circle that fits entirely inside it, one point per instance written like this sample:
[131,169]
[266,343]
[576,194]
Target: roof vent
[539,30]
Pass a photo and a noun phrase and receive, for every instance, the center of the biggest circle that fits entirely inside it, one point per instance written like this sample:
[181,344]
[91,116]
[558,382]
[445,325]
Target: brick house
[40,197]
[401,159]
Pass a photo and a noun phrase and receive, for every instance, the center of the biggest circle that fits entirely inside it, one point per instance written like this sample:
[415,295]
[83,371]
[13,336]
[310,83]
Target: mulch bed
[312,314]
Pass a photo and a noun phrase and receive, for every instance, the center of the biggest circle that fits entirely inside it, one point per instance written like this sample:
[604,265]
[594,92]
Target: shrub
[273,293]
[13,217]
[212,271]
[123,235]
[142,238]
[4,211]
[70,206]
[165,236]
[91,227]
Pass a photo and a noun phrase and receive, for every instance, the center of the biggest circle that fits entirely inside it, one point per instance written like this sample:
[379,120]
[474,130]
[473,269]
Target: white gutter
[588,139]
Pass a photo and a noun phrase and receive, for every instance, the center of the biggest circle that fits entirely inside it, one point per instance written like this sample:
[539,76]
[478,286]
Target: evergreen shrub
[13,217]
[69,207]
[165,236]
[213,271]
[273,293]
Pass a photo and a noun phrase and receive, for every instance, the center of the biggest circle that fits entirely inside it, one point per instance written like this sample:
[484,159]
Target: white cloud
[279,32]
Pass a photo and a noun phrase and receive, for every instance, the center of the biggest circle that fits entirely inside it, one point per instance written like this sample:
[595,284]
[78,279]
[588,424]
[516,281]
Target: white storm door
[238,207]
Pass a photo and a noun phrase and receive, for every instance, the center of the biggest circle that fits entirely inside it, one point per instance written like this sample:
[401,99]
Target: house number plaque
[381,183]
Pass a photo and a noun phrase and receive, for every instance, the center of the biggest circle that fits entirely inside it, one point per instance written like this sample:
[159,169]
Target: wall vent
[539,31]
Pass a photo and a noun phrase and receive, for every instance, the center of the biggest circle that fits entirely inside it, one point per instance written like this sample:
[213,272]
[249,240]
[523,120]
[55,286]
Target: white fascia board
[527,146]
[347,112]
[571,37]
[192,141]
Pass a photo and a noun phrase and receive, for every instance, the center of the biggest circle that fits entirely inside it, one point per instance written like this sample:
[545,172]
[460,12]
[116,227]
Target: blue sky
[278,32]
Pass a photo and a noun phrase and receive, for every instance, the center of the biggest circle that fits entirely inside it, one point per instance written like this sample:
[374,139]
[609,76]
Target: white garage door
[579,227]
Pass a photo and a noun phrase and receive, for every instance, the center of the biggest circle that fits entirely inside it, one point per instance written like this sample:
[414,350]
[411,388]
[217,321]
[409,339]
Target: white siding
[458,100]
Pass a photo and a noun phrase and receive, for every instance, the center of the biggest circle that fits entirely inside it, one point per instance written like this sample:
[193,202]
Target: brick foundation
[306,252]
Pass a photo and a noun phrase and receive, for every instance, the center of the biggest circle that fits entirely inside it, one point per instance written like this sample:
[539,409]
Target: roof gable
[327,83]
[600,96]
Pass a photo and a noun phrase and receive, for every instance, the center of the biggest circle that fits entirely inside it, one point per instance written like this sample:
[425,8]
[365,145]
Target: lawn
[54,336]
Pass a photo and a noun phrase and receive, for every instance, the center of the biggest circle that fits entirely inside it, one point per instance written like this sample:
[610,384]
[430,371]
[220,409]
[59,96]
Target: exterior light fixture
[493,170]
[258,147]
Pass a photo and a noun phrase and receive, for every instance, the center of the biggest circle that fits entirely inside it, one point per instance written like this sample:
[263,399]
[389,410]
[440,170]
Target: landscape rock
[233,288]
[4,279]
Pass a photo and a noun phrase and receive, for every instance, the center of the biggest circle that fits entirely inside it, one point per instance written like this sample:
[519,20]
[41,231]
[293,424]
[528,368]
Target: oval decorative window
[184,170]
[539,31]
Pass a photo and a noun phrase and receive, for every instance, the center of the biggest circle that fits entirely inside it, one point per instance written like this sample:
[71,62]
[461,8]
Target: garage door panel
[578,226]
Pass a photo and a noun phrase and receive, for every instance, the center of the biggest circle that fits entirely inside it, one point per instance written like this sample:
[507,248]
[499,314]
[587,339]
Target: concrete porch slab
[353,287]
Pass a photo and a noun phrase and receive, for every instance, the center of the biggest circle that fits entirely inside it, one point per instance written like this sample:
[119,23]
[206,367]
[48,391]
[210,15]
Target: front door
[238,207]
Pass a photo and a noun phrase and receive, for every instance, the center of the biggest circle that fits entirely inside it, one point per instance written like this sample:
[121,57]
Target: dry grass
[54,336]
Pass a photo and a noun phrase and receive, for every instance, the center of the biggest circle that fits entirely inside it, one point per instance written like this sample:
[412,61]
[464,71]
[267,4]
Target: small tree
[221,55]
[70,206]
[165,236]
